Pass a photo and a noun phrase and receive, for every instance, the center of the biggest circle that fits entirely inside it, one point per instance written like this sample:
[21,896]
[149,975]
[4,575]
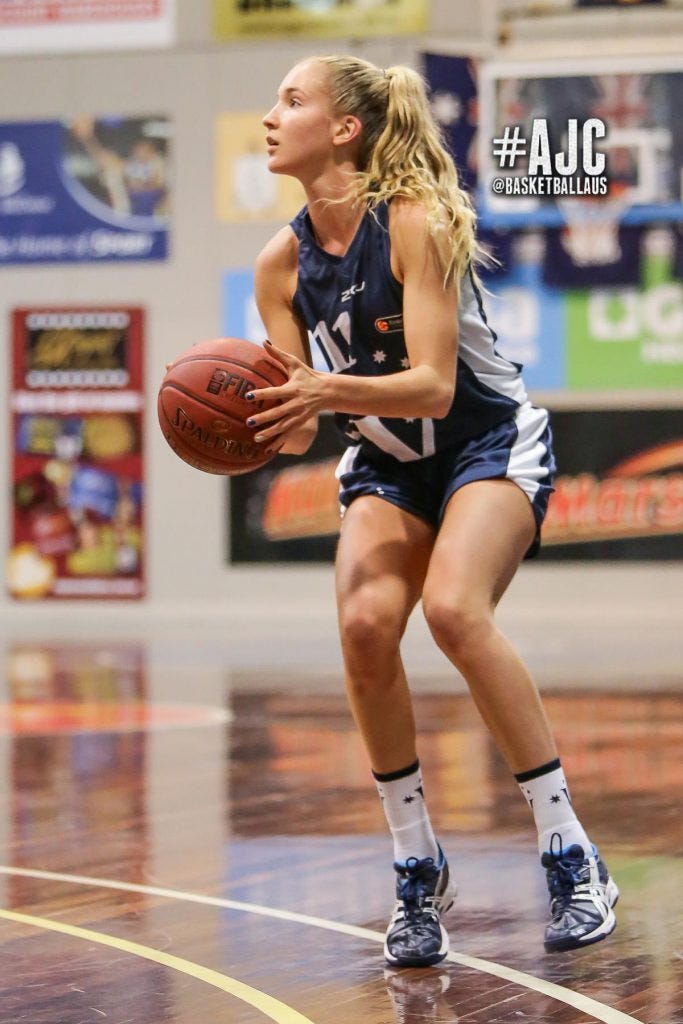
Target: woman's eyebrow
[292,88]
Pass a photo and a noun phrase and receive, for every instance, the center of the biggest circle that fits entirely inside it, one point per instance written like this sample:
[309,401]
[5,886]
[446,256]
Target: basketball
[203,409]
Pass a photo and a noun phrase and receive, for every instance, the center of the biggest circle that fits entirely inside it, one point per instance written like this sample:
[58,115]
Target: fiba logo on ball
[203,409]
[12,169]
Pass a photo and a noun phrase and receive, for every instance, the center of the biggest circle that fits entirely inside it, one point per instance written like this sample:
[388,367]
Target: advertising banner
[87,190]
[619,490]
[619,493]
[245,189]
[32,26]
[76,408]
[356,18]
[289,510]
[628,337]
[587,293]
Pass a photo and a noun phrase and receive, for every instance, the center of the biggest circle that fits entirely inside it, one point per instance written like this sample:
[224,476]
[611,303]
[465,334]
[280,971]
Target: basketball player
[448,469]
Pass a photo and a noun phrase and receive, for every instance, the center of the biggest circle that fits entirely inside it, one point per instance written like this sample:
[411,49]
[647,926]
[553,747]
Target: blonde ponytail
[402,154]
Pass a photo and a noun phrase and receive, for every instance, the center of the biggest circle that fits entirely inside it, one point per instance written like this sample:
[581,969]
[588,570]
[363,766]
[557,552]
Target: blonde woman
[448,469]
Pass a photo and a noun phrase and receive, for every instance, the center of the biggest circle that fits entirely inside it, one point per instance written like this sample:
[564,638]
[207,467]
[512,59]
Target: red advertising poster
[36,12]
[71,25]
[76,410]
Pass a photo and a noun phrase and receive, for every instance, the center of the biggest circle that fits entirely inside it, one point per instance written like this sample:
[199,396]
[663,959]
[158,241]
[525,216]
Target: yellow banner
[246,191]
[356,18]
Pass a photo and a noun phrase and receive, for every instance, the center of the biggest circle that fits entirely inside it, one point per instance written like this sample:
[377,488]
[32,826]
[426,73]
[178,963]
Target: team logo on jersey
[353,290]
[389,324]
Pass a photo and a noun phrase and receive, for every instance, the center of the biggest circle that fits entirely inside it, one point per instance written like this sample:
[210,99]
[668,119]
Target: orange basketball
[203,409]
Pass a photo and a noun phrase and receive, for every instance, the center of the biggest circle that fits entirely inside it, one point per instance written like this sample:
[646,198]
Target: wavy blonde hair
[402,154]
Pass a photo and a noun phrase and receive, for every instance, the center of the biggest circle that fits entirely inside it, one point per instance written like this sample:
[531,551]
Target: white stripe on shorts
[525,464]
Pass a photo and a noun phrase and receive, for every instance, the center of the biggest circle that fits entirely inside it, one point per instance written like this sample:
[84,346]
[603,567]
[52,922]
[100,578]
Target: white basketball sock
[406,813]
[545,790]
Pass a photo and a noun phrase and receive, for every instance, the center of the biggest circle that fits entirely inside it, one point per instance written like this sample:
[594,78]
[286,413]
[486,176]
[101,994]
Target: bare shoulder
[407,217]
[279,255]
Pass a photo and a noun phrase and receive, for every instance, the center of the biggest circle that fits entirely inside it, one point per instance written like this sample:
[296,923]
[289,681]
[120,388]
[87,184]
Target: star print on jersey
[405,363]
[379,356]
[555,798]
[408,799]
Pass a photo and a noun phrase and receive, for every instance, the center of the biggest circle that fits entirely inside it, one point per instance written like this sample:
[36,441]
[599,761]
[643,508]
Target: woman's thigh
[487,529]
[381,562]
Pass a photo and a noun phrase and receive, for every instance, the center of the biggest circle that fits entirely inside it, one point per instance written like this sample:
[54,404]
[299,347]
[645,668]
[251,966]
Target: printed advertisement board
[77,418]
[33,26]
[356,18]
[245,189]
[87,190]
[619,493]
[587,293]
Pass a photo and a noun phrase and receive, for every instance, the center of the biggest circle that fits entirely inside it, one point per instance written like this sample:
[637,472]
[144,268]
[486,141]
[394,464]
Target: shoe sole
[601,932]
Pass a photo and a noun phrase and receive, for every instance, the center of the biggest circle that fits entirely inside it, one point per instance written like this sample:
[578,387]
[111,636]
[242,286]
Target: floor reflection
[266,797]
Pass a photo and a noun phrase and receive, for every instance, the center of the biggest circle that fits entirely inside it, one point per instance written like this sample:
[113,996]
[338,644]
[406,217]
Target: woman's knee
[370,629]
[457,625]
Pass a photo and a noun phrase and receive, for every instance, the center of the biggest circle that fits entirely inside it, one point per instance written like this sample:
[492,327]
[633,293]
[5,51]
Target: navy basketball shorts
[519,449]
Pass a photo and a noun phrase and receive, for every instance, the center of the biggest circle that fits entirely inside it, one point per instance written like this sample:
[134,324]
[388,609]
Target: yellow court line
[585,1004]
[271,1007]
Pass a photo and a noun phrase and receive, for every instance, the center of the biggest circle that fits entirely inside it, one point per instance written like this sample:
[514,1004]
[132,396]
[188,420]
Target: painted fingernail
[250,396]
[251,422]
[268,343]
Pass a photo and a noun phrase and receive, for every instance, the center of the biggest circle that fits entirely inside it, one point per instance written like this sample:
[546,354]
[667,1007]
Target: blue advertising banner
[88,190]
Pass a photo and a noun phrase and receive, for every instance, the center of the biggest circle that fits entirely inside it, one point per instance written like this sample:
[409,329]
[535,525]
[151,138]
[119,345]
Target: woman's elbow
[443,400]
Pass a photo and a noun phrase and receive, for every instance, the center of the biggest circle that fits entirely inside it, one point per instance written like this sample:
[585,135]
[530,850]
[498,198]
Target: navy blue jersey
[352,306]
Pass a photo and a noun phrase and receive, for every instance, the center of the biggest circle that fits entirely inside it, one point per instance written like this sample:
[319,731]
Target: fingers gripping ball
[203,407]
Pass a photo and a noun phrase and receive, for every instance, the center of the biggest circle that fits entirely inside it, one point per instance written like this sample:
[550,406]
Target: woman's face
[301,125]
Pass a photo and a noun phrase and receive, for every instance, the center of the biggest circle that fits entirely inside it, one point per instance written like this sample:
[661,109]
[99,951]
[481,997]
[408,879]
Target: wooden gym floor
[209,849]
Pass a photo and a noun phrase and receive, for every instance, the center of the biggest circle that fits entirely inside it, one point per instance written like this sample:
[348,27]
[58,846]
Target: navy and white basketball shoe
[582,895]
[424,891]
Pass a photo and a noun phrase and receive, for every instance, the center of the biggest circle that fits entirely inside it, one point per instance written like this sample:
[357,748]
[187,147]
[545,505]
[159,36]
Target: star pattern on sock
[555,798]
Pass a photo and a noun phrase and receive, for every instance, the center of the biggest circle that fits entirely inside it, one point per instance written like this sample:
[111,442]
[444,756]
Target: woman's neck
[335,220]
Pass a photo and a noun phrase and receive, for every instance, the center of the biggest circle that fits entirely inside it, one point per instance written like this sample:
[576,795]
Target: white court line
[585,1004]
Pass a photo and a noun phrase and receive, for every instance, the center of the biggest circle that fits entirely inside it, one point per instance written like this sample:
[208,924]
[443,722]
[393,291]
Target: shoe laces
[564,873]
[416,886]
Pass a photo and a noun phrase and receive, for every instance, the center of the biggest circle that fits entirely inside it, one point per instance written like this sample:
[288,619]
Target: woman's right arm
[275,274]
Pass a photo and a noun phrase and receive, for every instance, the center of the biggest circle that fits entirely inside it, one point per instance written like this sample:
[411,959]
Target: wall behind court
[192,83]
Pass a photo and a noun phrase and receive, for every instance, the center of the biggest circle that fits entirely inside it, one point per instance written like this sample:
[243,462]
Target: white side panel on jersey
[476,349]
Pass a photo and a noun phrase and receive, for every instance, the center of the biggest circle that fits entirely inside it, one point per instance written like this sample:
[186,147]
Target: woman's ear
[348,129]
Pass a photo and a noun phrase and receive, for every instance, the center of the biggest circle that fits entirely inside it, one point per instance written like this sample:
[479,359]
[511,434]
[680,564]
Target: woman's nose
[269,120]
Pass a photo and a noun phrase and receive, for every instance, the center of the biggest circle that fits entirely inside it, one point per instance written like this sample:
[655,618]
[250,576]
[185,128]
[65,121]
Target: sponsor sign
[628,337]
[86,190]
[619,493]
[245,189]
[30,26]
[359,18]
[619,490]
[289,510]
[76,411]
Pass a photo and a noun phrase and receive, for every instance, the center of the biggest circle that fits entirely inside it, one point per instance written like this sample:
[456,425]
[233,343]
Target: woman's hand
[301,398]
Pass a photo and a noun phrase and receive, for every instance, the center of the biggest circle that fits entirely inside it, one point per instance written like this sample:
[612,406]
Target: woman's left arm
[431,333]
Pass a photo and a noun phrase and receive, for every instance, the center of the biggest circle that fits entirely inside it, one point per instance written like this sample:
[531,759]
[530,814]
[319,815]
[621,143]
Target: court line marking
[268,1005]
[585,1004]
